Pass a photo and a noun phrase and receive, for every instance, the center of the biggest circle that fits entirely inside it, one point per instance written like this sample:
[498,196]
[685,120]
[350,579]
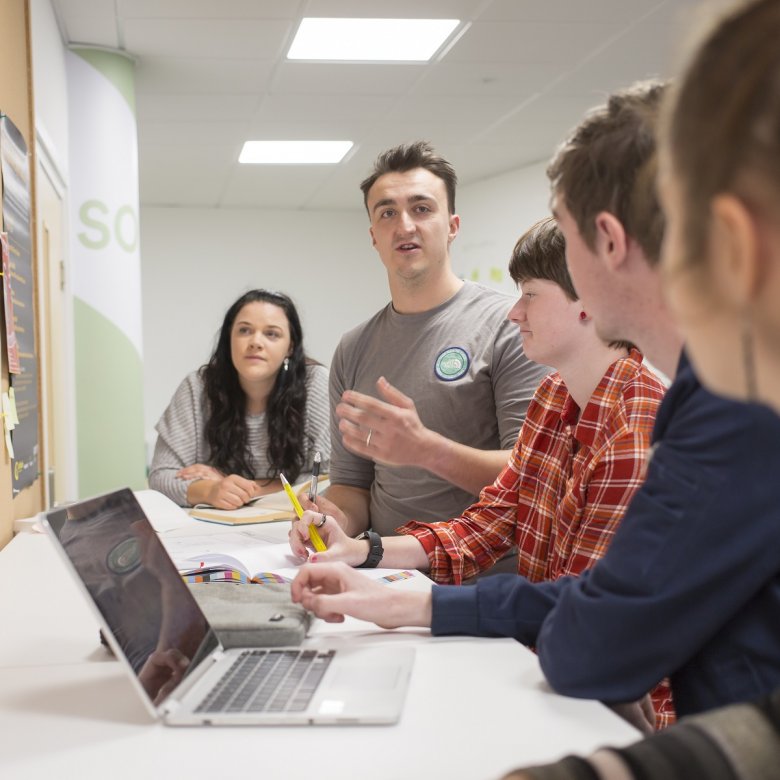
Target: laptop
[184,676]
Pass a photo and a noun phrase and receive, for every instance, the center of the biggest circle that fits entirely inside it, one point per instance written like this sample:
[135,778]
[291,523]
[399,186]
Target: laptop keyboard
[268,681]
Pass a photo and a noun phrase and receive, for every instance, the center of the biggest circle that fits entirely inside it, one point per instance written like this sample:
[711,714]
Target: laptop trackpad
[373,678]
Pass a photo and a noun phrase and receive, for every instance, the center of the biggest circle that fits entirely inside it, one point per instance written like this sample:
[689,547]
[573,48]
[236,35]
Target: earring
[748,362]
[583,316]
[286,364]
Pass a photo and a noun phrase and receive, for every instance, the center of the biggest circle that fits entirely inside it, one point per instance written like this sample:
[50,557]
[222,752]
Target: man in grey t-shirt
[427,397]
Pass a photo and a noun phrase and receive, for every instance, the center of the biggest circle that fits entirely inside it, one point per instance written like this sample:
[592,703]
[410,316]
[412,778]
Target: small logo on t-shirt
[451,364]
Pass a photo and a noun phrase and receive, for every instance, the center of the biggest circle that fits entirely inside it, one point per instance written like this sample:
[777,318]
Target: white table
[475,707]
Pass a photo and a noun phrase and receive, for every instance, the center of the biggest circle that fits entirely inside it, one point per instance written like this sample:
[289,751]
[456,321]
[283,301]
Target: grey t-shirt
[181,439]
[463,365]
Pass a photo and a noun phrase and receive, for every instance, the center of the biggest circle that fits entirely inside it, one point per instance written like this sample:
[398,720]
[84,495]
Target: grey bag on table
[252,615]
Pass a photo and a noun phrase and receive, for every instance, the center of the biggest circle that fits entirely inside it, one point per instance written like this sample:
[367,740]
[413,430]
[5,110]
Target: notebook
[171,653]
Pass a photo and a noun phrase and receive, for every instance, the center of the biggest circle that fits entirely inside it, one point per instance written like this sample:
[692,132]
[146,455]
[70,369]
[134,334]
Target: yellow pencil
[314,535]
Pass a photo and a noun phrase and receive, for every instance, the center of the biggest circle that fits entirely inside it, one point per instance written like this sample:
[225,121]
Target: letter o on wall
[120,220]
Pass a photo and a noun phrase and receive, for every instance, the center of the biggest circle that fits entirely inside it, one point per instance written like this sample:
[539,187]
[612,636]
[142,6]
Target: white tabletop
[475,707]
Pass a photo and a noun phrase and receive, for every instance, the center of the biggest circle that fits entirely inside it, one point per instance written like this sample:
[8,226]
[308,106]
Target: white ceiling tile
[313,130]
[204,9]
[568,11]
[442,135]
[640,53]
[219,134]
[191,75]
[531,41]
[341,190]
[537,132]
[272,186]
[229,38]
[194,108]
[93,30]
[677,16]
[468,109]
[343,108]
[485,78]
[69,8]
[343,78]
[398,9]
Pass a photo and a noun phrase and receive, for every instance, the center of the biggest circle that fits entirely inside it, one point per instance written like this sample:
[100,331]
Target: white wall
[195,262]
[50,84]
[494,213]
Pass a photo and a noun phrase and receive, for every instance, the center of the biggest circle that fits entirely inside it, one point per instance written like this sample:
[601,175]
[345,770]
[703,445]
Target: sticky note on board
[8,424]
[8,416]
[12,399]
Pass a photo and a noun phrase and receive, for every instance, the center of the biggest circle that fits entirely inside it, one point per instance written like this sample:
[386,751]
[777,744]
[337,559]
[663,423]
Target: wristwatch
[375,550]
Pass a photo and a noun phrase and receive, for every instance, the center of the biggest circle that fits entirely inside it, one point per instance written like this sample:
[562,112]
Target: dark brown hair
[406,157]
[540,253]
[225,426]
[721,125]
[609,163]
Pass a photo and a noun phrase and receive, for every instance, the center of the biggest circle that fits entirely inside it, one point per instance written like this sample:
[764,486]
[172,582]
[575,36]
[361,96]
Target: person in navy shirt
[690,587]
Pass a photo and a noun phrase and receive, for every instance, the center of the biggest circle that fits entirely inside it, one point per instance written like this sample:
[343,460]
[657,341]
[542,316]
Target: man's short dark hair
[406,157]
[609,163]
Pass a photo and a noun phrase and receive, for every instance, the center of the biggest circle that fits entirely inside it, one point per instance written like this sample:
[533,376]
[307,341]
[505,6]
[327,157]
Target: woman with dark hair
[258,408]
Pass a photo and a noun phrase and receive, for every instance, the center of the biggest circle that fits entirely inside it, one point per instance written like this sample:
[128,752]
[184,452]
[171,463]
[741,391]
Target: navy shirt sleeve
[698,543]
[689,584]
[499,605]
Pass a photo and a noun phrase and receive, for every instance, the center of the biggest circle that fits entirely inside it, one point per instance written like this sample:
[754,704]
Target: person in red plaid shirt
[578,461]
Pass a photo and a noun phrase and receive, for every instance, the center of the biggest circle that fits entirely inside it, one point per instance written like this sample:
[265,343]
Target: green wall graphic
[105,249]
[109,405]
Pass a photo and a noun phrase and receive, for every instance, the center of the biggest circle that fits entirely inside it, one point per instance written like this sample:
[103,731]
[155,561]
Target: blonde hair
[721,123]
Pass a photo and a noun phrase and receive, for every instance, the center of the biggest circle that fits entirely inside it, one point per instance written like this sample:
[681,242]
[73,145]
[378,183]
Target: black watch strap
[375,550]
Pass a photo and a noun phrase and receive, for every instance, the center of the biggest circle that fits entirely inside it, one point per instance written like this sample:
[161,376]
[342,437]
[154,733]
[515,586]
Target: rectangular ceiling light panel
[378,40]
[293,152]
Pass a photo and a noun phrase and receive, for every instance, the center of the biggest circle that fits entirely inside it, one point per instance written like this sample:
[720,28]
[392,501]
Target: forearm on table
[198,491]
[465,467]
[413,608]
[464,546]
[165,481]
[166,464]
[404,552]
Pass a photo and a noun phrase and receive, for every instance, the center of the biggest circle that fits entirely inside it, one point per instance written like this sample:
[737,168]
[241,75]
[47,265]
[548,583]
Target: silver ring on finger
[322,522]
[368,438]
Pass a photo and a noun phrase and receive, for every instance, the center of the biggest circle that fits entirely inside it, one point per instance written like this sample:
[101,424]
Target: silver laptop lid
[154,622]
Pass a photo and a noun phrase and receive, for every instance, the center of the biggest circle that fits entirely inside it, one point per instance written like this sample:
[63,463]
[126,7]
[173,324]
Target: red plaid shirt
[566,487]
[564,491]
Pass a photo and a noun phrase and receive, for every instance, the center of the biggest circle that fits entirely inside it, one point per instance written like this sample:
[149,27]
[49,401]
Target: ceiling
[211,74]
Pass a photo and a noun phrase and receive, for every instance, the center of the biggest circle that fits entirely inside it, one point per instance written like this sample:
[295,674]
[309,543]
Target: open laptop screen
[146,605]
